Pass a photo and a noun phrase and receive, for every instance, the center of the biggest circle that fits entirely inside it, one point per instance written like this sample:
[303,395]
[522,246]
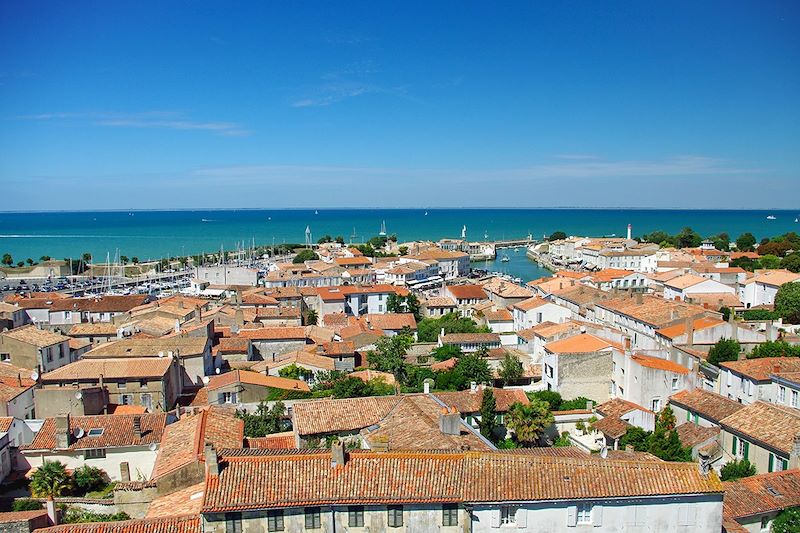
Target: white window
[782,394]
[674,383]
[794,399]
[228,397]
[508,514]
[126,399]
[656,405]
[584,513]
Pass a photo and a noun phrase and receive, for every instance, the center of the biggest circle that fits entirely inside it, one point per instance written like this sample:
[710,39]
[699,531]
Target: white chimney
[426,388]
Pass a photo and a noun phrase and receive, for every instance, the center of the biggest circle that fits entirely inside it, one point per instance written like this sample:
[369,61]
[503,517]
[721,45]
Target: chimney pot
[338,456]
[212,462]
[450,422]
[137,426]
[628,449]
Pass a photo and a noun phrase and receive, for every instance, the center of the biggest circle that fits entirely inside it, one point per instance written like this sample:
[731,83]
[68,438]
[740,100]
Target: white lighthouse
[629,232]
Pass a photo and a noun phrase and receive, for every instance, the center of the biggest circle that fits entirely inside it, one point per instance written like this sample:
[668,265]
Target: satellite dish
[35,375]
[206,380]
[161,354]
[604,451]
[78,433]
[153,446]
[217,370]
[78,395]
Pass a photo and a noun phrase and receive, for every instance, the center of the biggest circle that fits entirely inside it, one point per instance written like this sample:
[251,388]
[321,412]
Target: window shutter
[495,517]
[746,449]
[522,518]
[683,512]
[771,462]
[572,516]
[733,446]
[597,516]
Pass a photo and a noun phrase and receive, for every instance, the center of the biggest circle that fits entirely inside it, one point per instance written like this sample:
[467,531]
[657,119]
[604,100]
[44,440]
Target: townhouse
[500,321]
[687,286]
[244,386]
[123,446]
[786,388]
[752,503]
[452,492]
[614,278]
[761,288]
[32,347]
[533,340]
[702,407]
[533,311]
[465,297]
[11,316]
[580,365]
[68,311]
[504,294]
[748,380]
[452,264]
[438,306]
[616,416]
[647,380]
[470,342]
[16,392]
[269,343]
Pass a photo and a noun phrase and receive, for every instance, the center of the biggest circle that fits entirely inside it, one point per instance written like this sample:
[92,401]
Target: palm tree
[528,422]
[50,480]
[311,318]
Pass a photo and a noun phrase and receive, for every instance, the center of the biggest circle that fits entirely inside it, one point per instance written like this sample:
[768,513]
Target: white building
[533,311]
[646,380]
[748,380]
[684,287]
[762,287]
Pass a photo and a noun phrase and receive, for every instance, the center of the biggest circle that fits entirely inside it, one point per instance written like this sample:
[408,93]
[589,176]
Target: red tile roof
[581,343]
[658,363]
[467,292]
[118,430]
[469,402]
[256,378]
[189,500]
[760,369]
[471,338]
[276,441]
[21,516]
[281,333]
[774,425]
[179,524]
[391,321]
[707,404]
[91,369]
[764,493]
[257,479]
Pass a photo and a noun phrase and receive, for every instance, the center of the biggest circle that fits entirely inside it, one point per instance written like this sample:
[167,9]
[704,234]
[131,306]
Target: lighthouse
[629,232]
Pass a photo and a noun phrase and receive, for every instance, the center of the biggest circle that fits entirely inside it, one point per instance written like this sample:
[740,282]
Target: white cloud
[170,120]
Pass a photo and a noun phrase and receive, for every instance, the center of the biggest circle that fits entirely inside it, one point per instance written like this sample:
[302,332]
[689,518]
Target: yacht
[771,217]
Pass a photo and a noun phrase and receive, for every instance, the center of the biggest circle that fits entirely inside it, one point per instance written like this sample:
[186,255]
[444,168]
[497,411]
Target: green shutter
[771,462]
[746,449]
[688,415]
[733,446]
[785,464]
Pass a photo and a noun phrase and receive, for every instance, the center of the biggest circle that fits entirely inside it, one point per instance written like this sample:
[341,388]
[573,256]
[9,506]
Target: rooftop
[92,369]
[580,343]
[761,368]
[256,378]
[707,404]
[773,425]
[764,493]
[40,338]
[113,431]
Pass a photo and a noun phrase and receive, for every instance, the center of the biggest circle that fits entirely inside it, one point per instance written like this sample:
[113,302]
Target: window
[233,522]
[508,514]
[674,383]
[777,464]
[98,453]
[313,518]
[5,357]
[49,355]
[122,385]
[584,513]
[275,520]
[355,516]
[143,383]
[395,516]
[126,399]
[782,394]
[228,397]
[793,403]
[656,405]
[450,514]
[740,448]
[765,523]
[147,401]
[95,432]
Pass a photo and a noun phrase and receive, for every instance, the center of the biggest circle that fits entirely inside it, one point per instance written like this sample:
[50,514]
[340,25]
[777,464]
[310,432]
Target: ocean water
[156,234]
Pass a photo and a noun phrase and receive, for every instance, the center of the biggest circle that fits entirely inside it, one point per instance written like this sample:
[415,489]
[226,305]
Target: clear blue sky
[320,104]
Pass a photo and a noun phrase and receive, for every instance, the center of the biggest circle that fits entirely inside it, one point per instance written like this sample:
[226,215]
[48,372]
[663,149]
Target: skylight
[95,432]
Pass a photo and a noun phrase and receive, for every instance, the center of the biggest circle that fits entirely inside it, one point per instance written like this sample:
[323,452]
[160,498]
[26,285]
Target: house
[305,360]
[31,347]
[68,311]
[752,503]
[616,416]
[748,380]
[686,286]
[533,311]
[452,264]
[11,316]
[16,392]
[702,333]
[504,293]
[702,407]
[647,380]
[243,386]
[390,323]
[500,321]
[701,439]
[99,332]
[90,386]
[470,342]
[763,286]
[786,388]
[465,296]
[533,340]
[765,434]
[614,278]
[438,306]
[269,342]
[172,524]
[580,365]
[192,352]
[24,521]
[580,299]
[124,446]
[468,402]
[456,491]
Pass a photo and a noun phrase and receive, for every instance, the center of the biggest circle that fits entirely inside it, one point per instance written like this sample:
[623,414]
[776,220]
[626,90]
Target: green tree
[737,470]
[724,350]
[135,260]
[666,419]
[770,262]
[529,422]
[311,318]
[8,260]
[29,261]
[759,314]
[87,257]
[124,259]
[666,445]
[552,398]
[510,368]
[20,263]
[557,236]
[488,413]
[473,367]
[787,302]
[26,504]
[264,421]
[745,263]
[50,480]
[305,255]
[295,372]
[325,239]
[446,351]
[687,238]
[428,329]
[722,241]
[774,349]
[339,239]
[791,262]
[88,478]
[745,242]
[636,437]
[45,258]
[403,250]
[575,403]
[389,355]
[787,521]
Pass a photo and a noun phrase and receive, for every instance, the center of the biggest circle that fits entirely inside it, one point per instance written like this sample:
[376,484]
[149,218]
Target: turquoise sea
[156,234]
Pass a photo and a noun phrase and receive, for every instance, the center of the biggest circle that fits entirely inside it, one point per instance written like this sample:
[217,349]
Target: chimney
[62,432]
[794,456]
[690,331]
[450,422]
[473,387]
[177,326]
[137,426]
[589,405]
[239,317]
[180,303]
[628,449]
[673,314]
[426,388]
[776,368]
[627,345]
[211,460]
[338,455]
[639,298]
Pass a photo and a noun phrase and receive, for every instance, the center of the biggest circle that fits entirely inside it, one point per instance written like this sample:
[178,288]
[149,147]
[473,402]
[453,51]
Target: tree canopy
[724,350]
[529,422]
[428,329]
[305,255]
[488,413]
[787,302]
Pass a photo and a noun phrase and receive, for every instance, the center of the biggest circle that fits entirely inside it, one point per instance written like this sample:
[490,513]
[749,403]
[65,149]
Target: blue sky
[331,104]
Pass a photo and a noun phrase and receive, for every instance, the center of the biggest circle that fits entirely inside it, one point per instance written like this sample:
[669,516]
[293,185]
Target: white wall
[140,460]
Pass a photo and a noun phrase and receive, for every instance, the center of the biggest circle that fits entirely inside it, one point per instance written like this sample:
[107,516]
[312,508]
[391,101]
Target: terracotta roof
[440,301]
[118,430]
[619,407]
[715,300]
[581,343]
[256,479]
[578,294]
[35,336]
[774,425]
[21,516]
[256,378]
[760,494]
[691,434]
[467,292]
[334,320]
[610,274]
[276,441]
[5,423]
[685,281]
[471,338]
[302,359]
[469,402]
[369,374]
[530,303]
[338,348]
[114,409]
[141,347]
[281,333]
[707,404]
[332,416]
[612,426]
[258,299]
[104,304]
[179,524]
[97,328]
[680,329]
[91,369]
[391,321]
[506,289]
[659,364]
[570,274]
[233,345]
[500,315]
[447,364]
[189,500]
[761,368]
[654,311]
[775,278]
[183,441]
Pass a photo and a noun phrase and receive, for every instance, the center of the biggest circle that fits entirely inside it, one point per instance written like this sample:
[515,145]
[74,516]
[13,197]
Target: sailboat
[316,212]
[771,217]
[795,219]
[383,229]
[426,213]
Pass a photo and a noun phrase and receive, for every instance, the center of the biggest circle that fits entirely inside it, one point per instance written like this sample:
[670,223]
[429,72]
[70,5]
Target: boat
[316,212]
[426,213]
[795,219]
[383,229]
[505,259]
[771,217]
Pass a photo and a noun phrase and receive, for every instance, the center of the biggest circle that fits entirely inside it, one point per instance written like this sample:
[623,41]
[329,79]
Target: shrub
[787,521]
[737,470]
[724,350]
[26,505]
[88,478]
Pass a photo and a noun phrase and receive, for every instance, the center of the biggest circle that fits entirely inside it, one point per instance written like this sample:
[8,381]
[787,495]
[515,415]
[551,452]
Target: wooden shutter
[746,449]
[572,516]
[733,446]
[771,462]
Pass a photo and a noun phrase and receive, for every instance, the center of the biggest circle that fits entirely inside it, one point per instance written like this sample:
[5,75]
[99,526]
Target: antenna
[78,432]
